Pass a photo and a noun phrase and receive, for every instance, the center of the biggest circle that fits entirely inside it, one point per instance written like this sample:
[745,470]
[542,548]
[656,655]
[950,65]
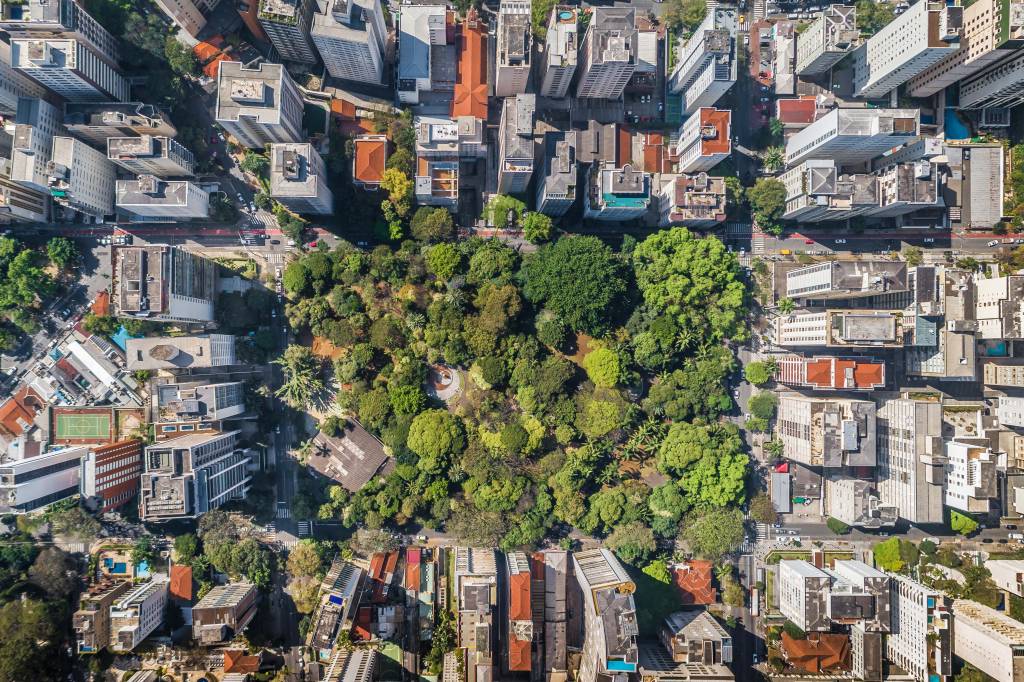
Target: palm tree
[773,158]
[302,382]
[786,306]
[776,127]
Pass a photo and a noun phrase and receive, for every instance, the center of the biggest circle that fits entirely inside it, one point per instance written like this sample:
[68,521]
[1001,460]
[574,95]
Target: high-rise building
[515,144]
[180,352]
[561,52]
[515,43]
[707,66]
[476,589]
[224,613]
[989,640]
[81,178]
[827,432]
[351,36]
[35,125]
[816,191]
[286,23]
[137,613]
[970,477]
[609,617]
[1010,411]
[851,136]
[152,155]
[14,84]
[91,622]
[827,40]
[704,140]
[556,190]
[615,193]
[696,201]
[150,199]
[188,476]
[195,407]
[110,474]
[608,53]
[922,630]
[924,35]
[163,283]
[422,31]
[94,122]
[1000,85]
[298,179]
[846,279]
[260,105]
[855,502]
[59,19]
[185,14]
[69,69]
[911,458]
[28,483]
[19,203]
[803,594]
[994,374]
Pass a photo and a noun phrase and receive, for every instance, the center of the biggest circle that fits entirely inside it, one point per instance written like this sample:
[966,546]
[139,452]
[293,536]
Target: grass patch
[654,601]
[769,589]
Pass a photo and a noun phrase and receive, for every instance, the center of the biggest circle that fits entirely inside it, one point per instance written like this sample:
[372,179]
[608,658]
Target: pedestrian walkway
[760,10]
[305,529]
[283,512]
[757,244]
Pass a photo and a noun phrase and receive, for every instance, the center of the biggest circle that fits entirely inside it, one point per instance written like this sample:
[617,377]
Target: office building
[970,477]
[91,622]
[618,194]
[994,374]
[14,84]
[704,140]
[821,373]
[851,136]
[561,52]
[95,122]
[422,32]
[163,283]
[19,203]
[816,191]
[188,476]
[1000,85]
[35,125]
[287,24]
[695,201]
[827,432]
[989,640]
[69,69]
[150,199]
[110,474]
[608,54]
[694,636]
[31,481]
[351,36]
[137,613]
[706,66]
[911,458]
[195,407]
[850,594]
[905,188]
[999,307]
[922,630]
[609,617]
[260,105]
[180,352]
[556,190]
[846,279]
[298,179]
[44,19]
[803,594]
[974,188]
[856,502]
[1010,411]
[827,40]
[515,43]
[440,143]
[920,37]
[476,586]
[81,178]
[151,155]
[1008,575]
[515,144]
[224,613]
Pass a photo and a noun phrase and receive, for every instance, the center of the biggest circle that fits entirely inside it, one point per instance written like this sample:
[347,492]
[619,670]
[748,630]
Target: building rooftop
[134,147]
[614,35]
[818,652]
[825,373]
[293,173]
[625,187]
[864,327]
[371,155]
[222,596]
[560,166]
[180,352]
[714,131]
[563,37]
[697,197]
[518,132]
[799,111]
[415,26]
[471,75]
[129,114]
[694,581]
[352,458]
[280,11]
[515,38]
[695,624]
[254,92]
[149,190]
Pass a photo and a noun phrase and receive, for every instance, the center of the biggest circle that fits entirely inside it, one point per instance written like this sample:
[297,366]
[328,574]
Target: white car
[994,242]
[840,241]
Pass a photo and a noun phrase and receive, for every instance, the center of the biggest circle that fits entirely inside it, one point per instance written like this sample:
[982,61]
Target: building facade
[827,40]
[81,178]
[516,144]
[31,483]
[556,190]
[608,54]
[351,37]
[609,617]
[150,199]
[287,24]
[258,106]
[561,52]
[911,458]
[110,474]
[163,283]
[151,155]
[851,136]
[36,123]
[138,613]
[704,140]
[69,69]
[515,43]
[94,122]
[298,179]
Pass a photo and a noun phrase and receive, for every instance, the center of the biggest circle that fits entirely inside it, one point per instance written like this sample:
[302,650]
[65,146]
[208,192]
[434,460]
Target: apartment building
[258,106]
[1010,411]
[850,594]
[514,45]
[81,178]
[110,474]
[185,14]
[911,458]
[224,613]
[803,595]
[846,279]
[1000,85]
[556,190]
[179,408]
[989,640]
[922,630]
[516,144]
[287,24]
[1001,374]
[91,622]
[440,143]
[556,588]
[1008,575]
[67,68]
[851,136]
[856,502]
[609,617]
[696,201]
[476,584]
[59,19]
[922,36]
[616,193]
[159,156]
[970,477]
[422,32]
[827,432]
[163,283]
[36,123]
[137,613]
[827,40]
[704,140]
[695,636]
[188,476]
[560,52]
[298,179]
[999,307]
[14,84]
[706,65]
[31,480]
[816,191]
[822,373]
[351,36]
[19,203]
[180,352]
[608,55]
[150,199]
[94,122]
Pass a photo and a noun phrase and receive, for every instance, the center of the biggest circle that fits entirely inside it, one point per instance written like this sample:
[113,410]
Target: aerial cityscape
[511,341]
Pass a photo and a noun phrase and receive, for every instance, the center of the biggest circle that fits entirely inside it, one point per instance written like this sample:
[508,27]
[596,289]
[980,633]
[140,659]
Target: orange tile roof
[694,582]
[831,373]
[101,306]
[236,661]
[795,111]
[212,69]
[654,153]
[519,597]
[818,653]
[518,654]
[623,146]
[361,628]
[471,77]
[17,413]
[371,159]
[720,119]
[413,557]
[181,582]
[343,108]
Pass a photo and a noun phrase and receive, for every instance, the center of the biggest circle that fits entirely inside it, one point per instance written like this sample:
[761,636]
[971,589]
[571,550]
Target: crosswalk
[305,529]
[757,244]
[760,9]
[762,532]
[284,512]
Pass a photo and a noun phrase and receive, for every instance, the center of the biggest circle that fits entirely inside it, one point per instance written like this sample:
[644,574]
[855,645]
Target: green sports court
[83,426]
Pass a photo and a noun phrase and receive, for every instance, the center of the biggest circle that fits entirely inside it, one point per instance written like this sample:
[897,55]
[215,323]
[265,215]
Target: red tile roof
[101,306]
[17,413]
[371,154]
[832,373]
[623,146]
[236,661]
[364,619]
[694,582]
[471,77]
[720,119]
[413,557]
[796,111]
[818,653]
[181,582]
[519,597]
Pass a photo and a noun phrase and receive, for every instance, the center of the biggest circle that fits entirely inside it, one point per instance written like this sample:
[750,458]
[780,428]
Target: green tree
[837,526]
[786,306]
[735,193]
[658,570]
[887,555]
[185,548]
[873,16]
[407,399]
[254,163]
[399,188]
[777,128]
[144,550]
[436,436]
[773,158]
[536,227]
[443,260]
[760,372]
[715,533]
[180,58]
[687,443]
[296,278]
[430,224]
[302,376]
[717,481]
[304,559]
[768,202]
[29,648]
[762,510]
[503,211]
[632,542]
[603,368]
[684,15]
[913,255]
[62,252]
[667,505]
[763,404]
[75,522]
[961,523]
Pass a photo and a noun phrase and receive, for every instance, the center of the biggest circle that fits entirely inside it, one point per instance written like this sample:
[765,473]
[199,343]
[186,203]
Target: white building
[135,615]
[421,28]
[59,19]
[515,144]
[827,40]
[19,203]
[970,477]
[286,23]
[911,458]
[94,122]
[1001,85]
[14,84]
[561,52]
[298,179]
[803,594]
[152,155]
[1010,411]
[999,307]
[609,617]
[846,279]
[1007,574]
[608,53]
[706,66]
[163,283]
[476,588]
[851,136]
[258,106]
[616,193]
[81,178]
[351,36]
[31,481]
[35,125]
[989,640]
[69,69]
[695,201]
[148,198]
[556,190]
[175,353]
[924,35]
[704,140]
[921,637]
[515,43]
[185,15]
[828,433]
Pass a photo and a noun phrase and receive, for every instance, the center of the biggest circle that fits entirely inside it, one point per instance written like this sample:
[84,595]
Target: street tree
[302,376]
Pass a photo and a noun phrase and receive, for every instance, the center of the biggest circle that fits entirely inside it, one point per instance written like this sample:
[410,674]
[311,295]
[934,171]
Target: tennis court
[83,426]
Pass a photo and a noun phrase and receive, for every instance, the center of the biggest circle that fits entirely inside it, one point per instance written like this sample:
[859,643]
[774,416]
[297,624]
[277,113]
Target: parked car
[1016,536]
[840,241]
[994,242]
[929,240]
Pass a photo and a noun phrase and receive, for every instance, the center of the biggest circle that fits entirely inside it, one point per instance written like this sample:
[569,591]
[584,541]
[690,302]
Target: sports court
[83,425]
